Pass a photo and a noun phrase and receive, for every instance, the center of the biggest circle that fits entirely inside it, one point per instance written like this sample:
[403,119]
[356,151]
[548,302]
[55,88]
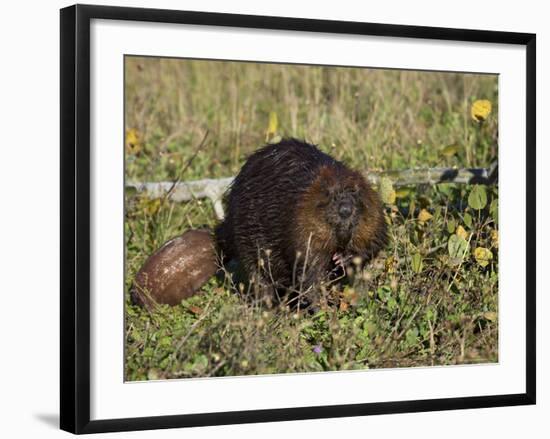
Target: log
[186,190]
[215,188]
[409,177]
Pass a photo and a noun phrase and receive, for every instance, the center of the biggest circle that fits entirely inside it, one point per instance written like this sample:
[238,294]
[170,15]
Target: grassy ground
[431,298]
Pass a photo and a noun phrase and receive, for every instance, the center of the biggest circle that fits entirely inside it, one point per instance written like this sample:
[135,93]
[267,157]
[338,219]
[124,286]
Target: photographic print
[286,218]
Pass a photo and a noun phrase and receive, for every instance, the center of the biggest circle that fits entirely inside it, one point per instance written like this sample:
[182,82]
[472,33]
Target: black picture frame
[75,217]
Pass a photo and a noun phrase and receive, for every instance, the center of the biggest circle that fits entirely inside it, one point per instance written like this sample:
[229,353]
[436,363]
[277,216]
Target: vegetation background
[431,298]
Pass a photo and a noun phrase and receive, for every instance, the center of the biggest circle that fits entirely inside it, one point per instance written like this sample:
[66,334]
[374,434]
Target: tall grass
[383,119]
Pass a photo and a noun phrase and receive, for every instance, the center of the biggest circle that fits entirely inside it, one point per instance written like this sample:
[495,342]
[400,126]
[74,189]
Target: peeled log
[177,270]
[215,188]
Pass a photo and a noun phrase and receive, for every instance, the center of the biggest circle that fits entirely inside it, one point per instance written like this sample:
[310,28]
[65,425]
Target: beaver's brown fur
[177,270]
[293,210]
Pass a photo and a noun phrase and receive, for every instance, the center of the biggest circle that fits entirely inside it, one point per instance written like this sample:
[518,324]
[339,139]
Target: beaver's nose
[345,209]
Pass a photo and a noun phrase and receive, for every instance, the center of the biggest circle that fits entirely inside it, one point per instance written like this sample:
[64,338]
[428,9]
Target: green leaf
[429,314]
[165,341]
[148,352]
[458,247]
[411,336]
[451,225]
[384,293]
[369,328]
[478,197]
[468,220]
[392,304]
[437,213]
[445,189]
[416,263]
[200,363]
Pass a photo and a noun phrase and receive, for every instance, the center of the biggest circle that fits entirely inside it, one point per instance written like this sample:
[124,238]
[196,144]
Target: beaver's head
[340,210]
[341,201]
[340,205]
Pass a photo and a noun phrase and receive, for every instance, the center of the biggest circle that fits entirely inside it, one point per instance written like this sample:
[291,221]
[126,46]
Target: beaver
[177,270]
[295,216]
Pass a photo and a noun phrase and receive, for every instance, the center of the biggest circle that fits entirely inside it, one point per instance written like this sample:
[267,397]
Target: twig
[189,162]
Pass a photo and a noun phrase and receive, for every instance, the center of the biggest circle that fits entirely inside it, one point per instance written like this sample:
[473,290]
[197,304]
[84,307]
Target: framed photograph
[268,219]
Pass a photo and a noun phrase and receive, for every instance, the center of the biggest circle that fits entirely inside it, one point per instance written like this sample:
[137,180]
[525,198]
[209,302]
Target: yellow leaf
[449,150]
[490,315]
[460,231]
[424,216]
[386,191]
[480,110]
[390,264]
[272,126]
[152,206]
[403,192]
[133,141]
[483,256]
